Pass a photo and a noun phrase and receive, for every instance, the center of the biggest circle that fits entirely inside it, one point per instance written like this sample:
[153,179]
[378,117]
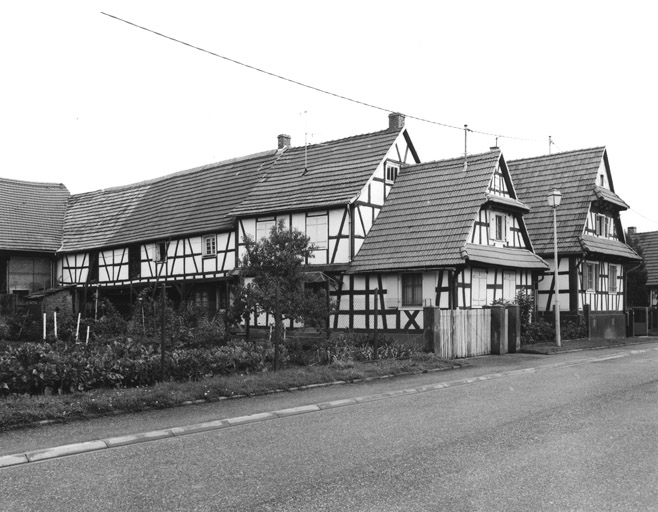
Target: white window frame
[411,285]
[496,234]
[209,245]
[602,228]
[590,273]
[479,285]
[263,227]
[613,283]
[509,285]
[317,229]
[391,172]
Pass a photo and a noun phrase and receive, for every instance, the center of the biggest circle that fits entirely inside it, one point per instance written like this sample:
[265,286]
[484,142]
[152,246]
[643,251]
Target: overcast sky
[93,102]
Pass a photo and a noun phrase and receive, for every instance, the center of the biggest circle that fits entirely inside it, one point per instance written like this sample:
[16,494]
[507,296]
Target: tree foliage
[272,269]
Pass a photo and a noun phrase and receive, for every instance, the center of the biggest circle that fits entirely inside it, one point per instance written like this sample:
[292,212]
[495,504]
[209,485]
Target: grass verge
[23,411]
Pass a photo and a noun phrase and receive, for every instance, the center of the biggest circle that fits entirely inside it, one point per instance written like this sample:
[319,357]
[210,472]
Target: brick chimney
[284,141]
[395,121]
[632,231]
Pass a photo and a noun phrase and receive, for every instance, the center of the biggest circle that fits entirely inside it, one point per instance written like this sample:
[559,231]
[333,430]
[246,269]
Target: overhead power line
[317,89]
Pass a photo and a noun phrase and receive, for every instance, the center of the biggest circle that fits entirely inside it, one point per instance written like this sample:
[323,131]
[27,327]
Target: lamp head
[554,198]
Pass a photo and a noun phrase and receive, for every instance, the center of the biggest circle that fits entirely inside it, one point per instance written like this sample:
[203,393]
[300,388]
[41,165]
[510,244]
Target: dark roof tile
[31,215]
[573,173]
[319,175]
[190,202]
[427,216]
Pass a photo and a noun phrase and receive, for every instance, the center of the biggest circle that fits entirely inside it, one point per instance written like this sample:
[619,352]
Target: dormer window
[602,226]
[392,171]
[498,227]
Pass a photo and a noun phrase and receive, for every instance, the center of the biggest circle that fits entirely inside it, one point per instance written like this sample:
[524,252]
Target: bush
[345,348]
[38,368]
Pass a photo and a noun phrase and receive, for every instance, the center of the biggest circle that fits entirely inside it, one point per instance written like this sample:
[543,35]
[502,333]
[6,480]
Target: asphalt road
[578,433]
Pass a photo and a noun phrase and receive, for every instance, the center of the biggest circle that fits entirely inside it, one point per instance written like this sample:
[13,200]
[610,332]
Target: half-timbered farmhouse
[187,229]
[592,253]
[451,235]
[31,221]
[648,242]
[175,230]
[333,192]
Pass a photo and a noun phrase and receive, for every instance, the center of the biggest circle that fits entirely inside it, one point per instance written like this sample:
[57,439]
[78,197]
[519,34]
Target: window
[392,171]
[590,276]
[209,245]
[317,229]
[498,227]
[160,252]
[478,287]
[134,261]
[500,235]
[412,289]
[612,279]
[509,285]
[92,277]
[263,228]
[602,225]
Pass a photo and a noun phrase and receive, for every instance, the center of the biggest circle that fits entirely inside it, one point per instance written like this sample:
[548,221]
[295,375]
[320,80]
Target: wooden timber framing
[442,288]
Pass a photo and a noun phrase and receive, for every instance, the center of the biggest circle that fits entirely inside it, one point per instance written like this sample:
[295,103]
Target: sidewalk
[31,445]
[585,344]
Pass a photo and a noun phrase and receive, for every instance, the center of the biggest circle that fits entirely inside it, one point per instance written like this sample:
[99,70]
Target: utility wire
[323,91]
[643,216]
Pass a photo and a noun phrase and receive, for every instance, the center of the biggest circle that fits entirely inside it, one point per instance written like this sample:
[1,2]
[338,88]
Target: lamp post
[554,200]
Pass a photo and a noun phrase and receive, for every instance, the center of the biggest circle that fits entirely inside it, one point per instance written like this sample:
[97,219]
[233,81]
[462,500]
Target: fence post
[498,330]
[513,328]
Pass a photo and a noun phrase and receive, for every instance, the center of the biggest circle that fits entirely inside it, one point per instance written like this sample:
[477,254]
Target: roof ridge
[562,153]
[33,183]
[176,174]
[457,159]
[343,139]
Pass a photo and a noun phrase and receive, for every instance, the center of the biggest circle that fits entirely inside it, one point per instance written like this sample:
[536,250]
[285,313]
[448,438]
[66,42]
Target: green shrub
[38,368]
[348,347]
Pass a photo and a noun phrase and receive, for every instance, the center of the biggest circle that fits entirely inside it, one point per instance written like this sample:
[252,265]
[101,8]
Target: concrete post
[429,329]
[587,309]
[498,330]
[513,328]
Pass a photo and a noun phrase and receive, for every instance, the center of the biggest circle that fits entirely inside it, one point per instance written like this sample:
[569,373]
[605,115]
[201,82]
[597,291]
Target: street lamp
[554,200]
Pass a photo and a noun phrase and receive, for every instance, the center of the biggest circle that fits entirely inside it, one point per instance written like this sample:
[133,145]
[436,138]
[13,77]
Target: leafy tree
[638,293]
[275,266]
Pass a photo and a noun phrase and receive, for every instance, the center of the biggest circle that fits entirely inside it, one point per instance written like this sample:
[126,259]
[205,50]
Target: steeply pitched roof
[649,243]
[31,215]
[319,175]
[189,202]
[428,215]
[574,174]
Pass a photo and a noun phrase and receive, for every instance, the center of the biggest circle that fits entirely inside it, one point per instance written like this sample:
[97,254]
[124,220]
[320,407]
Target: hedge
[38,368]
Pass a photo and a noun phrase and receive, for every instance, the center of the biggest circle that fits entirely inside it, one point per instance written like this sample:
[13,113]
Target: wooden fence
[455,333]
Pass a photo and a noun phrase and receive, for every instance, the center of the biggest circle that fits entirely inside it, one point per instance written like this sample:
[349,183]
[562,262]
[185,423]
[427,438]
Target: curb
[114,442]
[455,366]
